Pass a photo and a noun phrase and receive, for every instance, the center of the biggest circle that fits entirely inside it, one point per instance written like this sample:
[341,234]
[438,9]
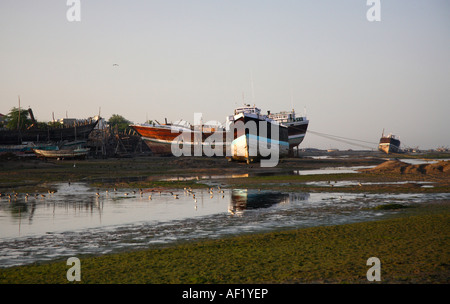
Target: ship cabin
[248,109]
[285,116]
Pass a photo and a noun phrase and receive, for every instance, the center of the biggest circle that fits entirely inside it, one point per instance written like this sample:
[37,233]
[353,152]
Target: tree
[18,119]
[119,121]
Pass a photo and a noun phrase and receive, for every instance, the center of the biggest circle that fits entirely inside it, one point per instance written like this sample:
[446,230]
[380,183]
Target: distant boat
[389,144]
[62,154]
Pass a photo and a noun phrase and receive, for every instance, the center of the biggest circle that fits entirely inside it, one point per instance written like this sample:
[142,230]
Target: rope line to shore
[344,139]
[348,141]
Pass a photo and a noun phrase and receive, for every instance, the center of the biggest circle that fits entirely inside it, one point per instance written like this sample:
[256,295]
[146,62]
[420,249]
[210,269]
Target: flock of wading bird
[187,191]
[14,196]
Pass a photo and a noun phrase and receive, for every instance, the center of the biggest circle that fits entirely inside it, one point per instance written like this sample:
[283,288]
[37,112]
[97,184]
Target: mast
[292,100]
[18,125]
[253,89]
[18,120]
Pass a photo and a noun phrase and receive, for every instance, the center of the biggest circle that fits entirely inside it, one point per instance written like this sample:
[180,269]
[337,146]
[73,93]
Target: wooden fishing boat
[160,137]
[79,153]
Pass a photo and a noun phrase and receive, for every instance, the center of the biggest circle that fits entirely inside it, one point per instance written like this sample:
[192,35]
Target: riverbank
[413,247]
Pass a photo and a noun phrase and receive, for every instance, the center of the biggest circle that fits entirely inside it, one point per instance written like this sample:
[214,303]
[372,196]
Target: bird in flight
[115,64]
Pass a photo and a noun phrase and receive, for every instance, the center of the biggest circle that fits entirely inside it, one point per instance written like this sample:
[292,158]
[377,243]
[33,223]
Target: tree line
[20,119]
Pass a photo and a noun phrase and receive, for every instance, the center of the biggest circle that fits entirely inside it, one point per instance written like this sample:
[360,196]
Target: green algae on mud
[413,247]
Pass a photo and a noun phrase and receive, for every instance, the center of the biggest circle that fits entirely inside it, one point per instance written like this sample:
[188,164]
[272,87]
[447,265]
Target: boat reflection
[248,199]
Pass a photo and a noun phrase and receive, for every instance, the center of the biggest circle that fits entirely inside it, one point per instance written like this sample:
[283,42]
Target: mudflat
[412,243]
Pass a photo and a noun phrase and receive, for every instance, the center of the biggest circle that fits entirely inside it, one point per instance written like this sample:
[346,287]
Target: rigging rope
[344,139]
[347,140]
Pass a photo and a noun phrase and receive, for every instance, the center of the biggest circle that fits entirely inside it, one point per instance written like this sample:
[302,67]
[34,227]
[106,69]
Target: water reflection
[78,219]
[248,199]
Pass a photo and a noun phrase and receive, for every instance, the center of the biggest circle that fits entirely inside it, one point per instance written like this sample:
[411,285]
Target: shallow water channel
[77,220]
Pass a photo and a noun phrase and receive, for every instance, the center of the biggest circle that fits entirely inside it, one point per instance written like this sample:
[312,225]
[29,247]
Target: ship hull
[297,132]
[160,139]
[247,143]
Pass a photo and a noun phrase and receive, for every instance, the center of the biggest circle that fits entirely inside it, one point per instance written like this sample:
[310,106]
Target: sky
[173,58]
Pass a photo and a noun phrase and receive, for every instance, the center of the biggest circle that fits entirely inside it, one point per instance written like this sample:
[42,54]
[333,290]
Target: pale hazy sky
[354,77]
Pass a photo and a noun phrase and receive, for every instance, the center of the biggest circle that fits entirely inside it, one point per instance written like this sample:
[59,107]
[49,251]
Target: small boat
[26,148]
[79,153]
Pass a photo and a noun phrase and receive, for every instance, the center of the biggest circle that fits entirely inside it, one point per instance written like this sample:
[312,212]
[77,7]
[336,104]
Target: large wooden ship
[159,137]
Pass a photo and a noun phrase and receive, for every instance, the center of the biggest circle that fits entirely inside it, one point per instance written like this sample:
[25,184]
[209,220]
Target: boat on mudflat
[78,153]
[240,139]
[389,144]
[260,137]
[159,137]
